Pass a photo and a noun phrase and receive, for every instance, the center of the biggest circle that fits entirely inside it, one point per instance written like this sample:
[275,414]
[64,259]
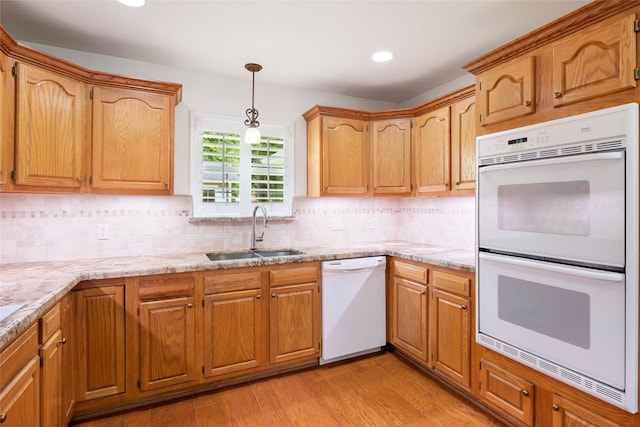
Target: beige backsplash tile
[64,227]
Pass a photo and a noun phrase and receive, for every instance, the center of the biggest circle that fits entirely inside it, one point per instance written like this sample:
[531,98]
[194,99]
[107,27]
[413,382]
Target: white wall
[451,86]
[209,93]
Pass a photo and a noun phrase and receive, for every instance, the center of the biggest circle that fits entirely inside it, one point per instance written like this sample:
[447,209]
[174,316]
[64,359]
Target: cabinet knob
[79,179]
[457,184]
[273,295]
[165,183]
[3,417]
[62,341]
[555,407]
[527,103]
[423,292]
[464,307]
[189,305]
[525,392]
[258,296]
[557,95]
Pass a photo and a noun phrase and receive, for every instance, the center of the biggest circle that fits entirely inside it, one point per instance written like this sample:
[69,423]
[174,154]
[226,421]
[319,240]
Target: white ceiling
[315,45]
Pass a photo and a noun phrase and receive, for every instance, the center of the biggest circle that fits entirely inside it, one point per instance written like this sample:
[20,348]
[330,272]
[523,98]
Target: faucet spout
[265,222]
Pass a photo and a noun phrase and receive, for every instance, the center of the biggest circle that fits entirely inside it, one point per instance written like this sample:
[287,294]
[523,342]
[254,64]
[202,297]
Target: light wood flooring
[381,390]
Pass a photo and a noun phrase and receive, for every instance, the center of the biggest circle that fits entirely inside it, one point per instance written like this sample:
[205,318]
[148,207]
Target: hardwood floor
[382,390]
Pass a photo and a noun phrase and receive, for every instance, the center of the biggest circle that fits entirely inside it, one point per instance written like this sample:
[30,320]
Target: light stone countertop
[38,286]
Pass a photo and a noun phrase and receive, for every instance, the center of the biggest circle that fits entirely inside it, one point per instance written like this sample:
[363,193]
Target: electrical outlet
[103,231]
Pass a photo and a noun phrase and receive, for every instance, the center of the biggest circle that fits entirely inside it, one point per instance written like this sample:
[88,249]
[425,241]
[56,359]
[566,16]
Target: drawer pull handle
[3,417]
[464,307]
[258,296]
[189,305]
[527,103]
[273,295]
[557,95]
[525,392]
[62,341]
[555,407]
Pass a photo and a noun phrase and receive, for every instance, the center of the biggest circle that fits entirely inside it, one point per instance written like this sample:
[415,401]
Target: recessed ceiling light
[382,56]
[132,3]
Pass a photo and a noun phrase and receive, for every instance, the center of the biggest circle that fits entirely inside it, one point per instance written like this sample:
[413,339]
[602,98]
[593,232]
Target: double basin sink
[227,256]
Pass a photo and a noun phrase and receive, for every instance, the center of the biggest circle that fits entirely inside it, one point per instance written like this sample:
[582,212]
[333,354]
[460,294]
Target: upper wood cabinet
[391,157]
[50,139]
[337,155]
[132,141]
[463,146]
[432,152]
[594,62]
[507,91]
[61,141]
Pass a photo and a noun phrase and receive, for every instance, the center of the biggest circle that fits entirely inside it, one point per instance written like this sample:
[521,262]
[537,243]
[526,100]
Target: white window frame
[243,209]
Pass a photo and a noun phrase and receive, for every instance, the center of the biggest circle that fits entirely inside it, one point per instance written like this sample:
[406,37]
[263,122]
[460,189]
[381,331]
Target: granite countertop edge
[38,286]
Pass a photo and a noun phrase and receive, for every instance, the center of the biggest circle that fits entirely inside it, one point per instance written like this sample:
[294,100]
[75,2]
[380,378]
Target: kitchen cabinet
[409,309]
[337,155]
[596,61]
[463,146]
[132,141]
[235,333]
[391,157]
[20,381]
[68,381]
[450,326]
[507,91]
[510,394]
[432,152]
[7,107]
[294,311]
[78,131]
[166,328]
[100,339]
[51,138]
[567,413]
[51,368]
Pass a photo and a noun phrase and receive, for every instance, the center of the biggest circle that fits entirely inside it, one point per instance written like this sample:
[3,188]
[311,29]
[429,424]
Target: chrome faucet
[255,238]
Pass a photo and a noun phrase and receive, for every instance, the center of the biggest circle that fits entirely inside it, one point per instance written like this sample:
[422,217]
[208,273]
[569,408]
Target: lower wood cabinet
[294,310]
[410,317]
[100,339]
[507,392]
[567,413]
[235,327]
[68,380]
[166,331]
[20,381]
[51,368]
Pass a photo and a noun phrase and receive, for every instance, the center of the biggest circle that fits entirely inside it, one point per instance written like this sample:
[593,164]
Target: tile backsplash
[65,227]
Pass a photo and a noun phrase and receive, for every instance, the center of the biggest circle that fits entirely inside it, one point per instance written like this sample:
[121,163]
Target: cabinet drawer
[295,275]
[214,284]
[418,273]
[509,393]
[49,323]
[451,283]
[14,357]
[165,287]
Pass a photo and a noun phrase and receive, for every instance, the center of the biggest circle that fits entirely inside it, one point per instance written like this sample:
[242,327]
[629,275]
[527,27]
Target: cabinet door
[233,334]
[67,315]
[20,399]
[392,157]
[294,322]
[432,151]
[51,381]
[596,61]
[507,92]
[167,351]
[569,414]
[50,129]
[463,144]
[345,157]
[450,336]
[7,104]
[100,320]
[132,141]
[409,317]
[507,392]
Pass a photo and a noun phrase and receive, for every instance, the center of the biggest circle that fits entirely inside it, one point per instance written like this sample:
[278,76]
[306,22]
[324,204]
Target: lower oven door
[571,316]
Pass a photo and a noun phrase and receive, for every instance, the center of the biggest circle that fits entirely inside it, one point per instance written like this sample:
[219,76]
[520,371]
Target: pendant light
[252,135]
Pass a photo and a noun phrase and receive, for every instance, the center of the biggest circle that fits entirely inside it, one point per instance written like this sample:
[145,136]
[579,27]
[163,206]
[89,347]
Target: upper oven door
[568,208]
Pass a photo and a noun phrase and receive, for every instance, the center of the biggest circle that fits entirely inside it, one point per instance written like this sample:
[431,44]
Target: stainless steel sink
[227,256]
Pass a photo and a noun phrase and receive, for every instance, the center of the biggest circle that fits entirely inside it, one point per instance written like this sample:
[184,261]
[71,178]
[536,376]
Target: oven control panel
[593,127]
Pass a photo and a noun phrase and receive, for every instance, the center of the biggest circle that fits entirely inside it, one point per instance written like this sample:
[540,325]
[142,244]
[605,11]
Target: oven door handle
[573,271]
[614,155]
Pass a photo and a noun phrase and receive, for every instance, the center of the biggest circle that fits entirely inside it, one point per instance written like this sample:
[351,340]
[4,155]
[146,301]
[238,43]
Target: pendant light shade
[252,135]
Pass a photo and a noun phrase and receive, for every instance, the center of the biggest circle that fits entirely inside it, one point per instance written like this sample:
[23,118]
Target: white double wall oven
[557,250]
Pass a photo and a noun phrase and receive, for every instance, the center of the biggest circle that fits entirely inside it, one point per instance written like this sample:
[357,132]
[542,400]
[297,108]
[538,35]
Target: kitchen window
[229,177]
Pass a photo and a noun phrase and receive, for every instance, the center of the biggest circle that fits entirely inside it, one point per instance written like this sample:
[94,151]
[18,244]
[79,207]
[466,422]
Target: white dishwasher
[353,307]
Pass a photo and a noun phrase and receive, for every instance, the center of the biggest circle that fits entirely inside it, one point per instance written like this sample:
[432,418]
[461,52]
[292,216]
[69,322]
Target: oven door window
[569,208]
